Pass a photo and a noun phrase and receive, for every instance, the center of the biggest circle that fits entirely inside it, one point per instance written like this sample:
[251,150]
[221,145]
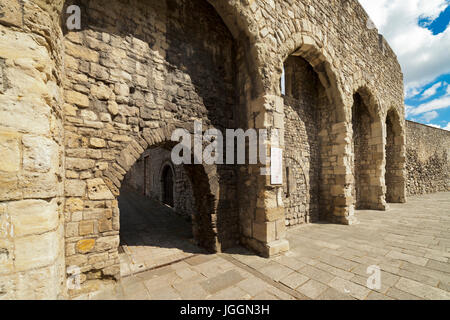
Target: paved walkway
[151,234]
[410,244]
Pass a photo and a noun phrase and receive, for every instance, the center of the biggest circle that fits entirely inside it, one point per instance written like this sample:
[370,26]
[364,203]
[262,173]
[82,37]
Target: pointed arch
[333,130]
[368,150]
[395,158]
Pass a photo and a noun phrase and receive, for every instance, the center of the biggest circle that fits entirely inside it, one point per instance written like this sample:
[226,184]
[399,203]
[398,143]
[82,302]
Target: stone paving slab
[410,243]
[152,235]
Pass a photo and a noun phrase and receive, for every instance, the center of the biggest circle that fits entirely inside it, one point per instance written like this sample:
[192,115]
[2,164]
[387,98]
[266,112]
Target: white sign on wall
[276,166]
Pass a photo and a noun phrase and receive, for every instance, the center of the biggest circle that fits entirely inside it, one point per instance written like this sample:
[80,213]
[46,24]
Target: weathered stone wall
[149,180]
[428,159]
[395,158]
[137,70]
[301,152]
[361,121]
[172,63]
[31,149]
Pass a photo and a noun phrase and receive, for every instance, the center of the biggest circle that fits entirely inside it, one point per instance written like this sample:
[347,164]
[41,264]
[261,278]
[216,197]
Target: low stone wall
[427,163]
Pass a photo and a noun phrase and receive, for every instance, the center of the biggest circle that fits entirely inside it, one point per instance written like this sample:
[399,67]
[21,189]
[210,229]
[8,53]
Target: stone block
[10,152]
[113,108]
[6,254]
[86,228]
[77,260]
[107,243]
[77,98]
[36,251]
[85,246]
[264,231]
[81,52]
[33,216]
[89,115]
[11,13]
[101,92]
[71,229]
[74,204]
[273,214]
[97,143]
[9,186]
[29,115]
[75,188]
[40,154]
[105,225]
[276,247]
[39,185]
[98,190]
[40,284]
[79,164]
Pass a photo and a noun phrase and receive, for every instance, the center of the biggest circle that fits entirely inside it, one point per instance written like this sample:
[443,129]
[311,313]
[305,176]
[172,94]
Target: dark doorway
[146,176]
[167,181]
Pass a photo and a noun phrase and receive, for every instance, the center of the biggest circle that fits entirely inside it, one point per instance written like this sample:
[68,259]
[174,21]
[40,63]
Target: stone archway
[395,158]
[129,85]
[368,150]
[168,185]
[333,135]
[303,104]
[153,231]
[63,119]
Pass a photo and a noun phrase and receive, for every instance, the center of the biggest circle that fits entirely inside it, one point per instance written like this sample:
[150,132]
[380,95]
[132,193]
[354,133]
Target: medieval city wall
[428,159]
[78,108]
[173,63]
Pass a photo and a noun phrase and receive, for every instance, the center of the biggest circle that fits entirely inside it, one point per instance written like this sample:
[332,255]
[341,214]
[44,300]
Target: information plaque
[276,166]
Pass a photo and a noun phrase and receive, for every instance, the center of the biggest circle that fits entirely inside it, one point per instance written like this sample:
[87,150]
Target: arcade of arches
[92,137]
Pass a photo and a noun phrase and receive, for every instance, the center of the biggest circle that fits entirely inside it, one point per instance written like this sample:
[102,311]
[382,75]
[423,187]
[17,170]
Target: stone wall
[301,153]
[169,65]
[31,152]
[361,121]
[93,100]
[428,159]
[148,180]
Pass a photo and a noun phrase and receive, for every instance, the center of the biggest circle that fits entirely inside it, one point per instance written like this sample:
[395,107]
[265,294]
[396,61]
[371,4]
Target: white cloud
[436,104]
[422,55]
[442,102]
[447,127]
[411,92]
[434,125]
[427,117]
[408,110]
[431,91]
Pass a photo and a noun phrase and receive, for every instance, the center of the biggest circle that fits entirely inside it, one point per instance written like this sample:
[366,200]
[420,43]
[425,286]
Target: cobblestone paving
[410,243]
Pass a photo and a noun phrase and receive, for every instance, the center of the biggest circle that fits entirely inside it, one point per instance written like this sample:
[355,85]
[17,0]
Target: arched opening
[394,173]
[128,81]
[367,147]
[304,100]
[315,119]
[361,121]
[157,209]
[167,185]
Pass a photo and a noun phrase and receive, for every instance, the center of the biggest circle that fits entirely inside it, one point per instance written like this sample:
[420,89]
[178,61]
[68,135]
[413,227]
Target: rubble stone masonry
[428,159]
[78,108]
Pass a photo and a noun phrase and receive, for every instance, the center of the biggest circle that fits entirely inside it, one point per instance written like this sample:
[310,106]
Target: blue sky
[419,33]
